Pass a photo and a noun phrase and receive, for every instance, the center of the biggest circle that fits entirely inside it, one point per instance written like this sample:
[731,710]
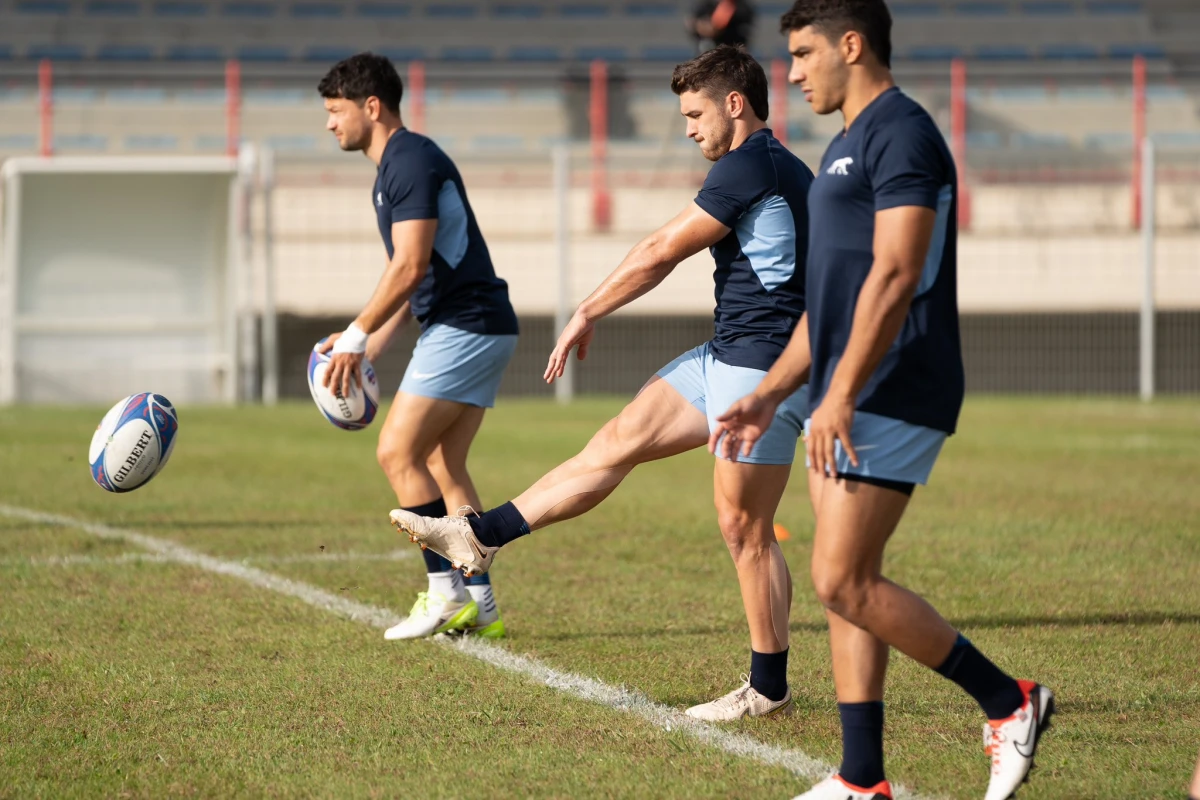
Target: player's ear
[372,107]
[735,104]
[852,47]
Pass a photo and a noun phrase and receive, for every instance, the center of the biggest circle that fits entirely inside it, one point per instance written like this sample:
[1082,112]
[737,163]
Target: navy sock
[997,694]
[478,580]
[768,674]
[862,743]
[499,526]
[433,562]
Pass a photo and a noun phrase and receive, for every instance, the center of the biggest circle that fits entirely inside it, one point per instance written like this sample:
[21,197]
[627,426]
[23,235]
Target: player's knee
[742,532]
[842,591]
[394,458]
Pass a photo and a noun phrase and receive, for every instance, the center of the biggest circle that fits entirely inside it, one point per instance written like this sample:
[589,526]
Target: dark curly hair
[362,76]
[834,18]
[722,70]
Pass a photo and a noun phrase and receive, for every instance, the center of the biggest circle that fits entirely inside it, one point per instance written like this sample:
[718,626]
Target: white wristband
[354,340]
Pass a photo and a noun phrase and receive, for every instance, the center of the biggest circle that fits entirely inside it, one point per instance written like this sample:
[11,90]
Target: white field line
[150,558]
[581,687]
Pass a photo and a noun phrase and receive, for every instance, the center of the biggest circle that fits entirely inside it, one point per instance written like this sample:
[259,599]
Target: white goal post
[125,274]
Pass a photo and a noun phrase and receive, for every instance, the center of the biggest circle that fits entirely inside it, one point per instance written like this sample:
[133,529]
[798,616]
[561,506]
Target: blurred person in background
[717,22]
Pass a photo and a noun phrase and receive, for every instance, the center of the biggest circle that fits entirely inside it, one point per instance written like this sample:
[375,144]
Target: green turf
[1059,534]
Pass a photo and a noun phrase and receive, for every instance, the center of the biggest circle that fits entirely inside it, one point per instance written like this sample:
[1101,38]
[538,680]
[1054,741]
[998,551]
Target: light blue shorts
[712,387]
[889,449]
[456,365]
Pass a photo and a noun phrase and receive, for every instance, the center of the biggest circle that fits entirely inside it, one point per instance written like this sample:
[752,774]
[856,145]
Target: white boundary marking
[664,717]
[151,558]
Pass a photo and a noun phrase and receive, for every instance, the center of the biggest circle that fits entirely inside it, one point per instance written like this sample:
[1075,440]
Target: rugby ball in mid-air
[351,413]
[133,442]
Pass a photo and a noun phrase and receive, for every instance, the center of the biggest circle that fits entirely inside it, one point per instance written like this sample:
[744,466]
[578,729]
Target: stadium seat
[1108,141]
[75,94]
[1146,50]
[1048,8]
[1040,140]
[134,95]
[276,96]
[113,8]
[982,9]
[467,53]
[534,53]
[55,52]
[316,10]
[1070,52]
[5,52]
[81,141]
[151,141]
[672,53]
[401,53]
[652,10]
[180,8]
[18,141]
[291,142]
[125,52]
[383,10]
[934,52]
[916,9]
[588,11]
[43,7]
[249,10]
[984,140]
[517,11]
[194,52]
[329,53]
[198,96]
[1119,7]
[211,142]
[1007,52]
[498,142]
[1188,139]
[451,11]
[604,53]
[263,53]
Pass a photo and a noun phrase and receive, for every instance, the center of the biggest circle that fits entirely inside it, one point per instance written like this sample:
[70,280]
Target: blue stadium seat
[82,141]
[402,53]
[136,94]
[194,52]
[915,9]
[587,11]
[5,52]
[1002,52]
[984,140]
[773,10]
[125,52]
[287,142]
[1041,140]
[467,53]
[329,53]
[536,53]
[211,142]
[665,52]
[316,10]
[451,11]
[180,8]
[250,10]
[1048,8]
[151,141]
[1119,7]
[1145,49]
[1108,141]
[1176,138]
[1070,52]
[517,11]
[603,53]
[43,7]
[383,10]
[113,8]
[56,52]
[983,9]
[18,141]
[652,10]
[197,96]
[75,94]
[498,142]
[263,53]
[276,96]
[935,52]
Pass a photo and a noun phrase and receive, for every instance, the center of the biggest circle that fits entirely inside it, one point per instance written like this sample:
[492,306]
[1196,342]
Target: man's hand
[579,332]
[344,370]
[831,422]
[741,426]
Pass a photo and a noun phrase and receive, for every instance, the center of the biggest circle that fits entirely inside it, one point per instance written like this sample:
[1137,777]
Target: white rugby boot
[745,701]
[432,614]
[1012,742]
[834,788]
[449,537]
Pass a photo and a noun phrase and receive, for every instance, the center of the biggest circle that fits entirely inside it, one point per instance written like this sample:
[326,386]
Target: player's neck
[382,134]
[743,131]
[864,87]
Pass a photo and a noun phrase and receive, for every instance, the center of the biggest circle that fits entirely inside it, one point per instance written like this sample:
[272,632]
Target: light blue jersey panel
[767,234]
[451,239]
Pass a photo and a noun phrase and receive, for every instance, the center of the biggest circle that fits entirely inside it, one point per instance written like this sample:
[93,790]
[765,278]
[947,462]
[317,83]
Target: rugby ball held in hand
[353,412]
[133,442]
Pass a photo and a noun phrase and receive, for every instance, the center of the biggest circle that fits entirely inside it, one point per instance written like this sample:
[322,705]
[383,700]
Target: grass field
[1060,535]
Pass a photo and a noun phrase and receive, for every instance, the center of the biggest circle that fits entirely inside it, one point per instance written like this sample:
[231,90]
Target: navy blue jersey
[417,180]
[758,190]
[893,155]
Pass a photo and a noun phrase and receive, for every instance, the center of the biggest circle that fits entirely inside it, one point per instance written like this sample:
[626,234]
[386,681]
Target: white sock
[483,597]
[448,584]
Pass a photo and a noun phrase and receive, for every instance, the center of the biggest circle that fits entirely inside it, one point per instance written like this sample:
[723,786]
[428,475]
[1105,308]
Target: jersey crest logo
[379,199]
[840,167]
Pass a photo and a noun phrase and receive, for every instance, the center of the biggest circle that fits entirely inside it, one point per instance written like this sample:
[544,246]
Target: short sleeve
[412,190]
[907,165]
[729,190]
